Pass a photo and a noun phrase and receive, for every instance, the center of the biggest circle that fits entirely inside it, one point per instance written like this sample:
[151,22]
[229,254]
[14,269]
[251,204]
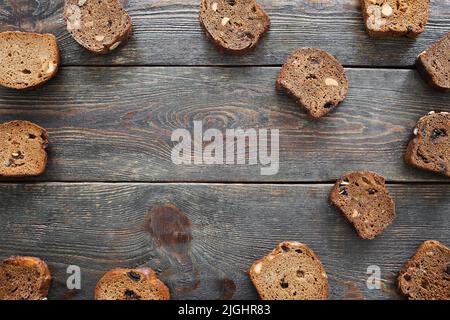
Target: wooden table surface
[112,197]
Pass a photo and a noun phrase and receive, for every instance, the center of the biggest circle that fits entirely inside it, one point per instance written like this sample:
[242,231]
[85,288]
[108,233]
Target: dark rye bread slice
[22,149]
[394,18]
[290,272]
[234,25]
[24,278]
[434,64]
[100,26]
[315,79]
[430,147]
[131,284]
[363,199]
[27,60]
[426,276]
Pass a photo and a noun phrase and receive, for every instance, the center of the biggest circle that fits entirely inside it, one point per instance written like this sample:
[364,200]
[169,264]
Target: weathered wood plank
[167,32]
[115,124]
[204,250]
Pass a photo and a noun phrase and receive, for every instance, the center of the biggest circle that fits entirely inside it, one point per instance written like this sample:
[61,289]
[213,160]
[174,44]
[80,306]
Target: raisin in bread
[100,26]
[315,79]
[434,64]
[131,284]
[430,147]
[363,199]
[22,149]
[385,18]
[290,272]
[27,60]
[426,276]
[234,25]
[24,278]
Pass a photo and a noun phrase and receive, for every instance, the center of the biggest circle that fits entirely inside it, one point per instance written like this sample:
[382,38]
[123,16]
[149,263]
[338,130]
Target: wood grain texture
[167,32]
[204,248]
[121,130]
[114,124]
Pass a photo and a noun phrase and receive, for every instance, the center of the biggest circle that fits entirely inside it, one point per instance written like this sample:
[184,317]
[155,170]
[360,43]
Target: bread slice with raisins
[131,284]
[292,271]
[27,60]
[364,200]
[434,64]
[315,79]
[24,278]
[426,276]
[235,26]
[394,18]
[22,149]
[430,147]
[100,26]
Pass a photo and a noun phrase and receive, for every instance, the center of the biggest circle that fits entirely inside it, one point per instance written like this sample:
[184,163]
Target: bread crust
[411,273]
[77,15]
[54,52]
[147,273]
[393,29]
[40,159]
[280,249]
[420,130]
[32,262]
[373,191]
[329,68]
[225,45]
[425,69]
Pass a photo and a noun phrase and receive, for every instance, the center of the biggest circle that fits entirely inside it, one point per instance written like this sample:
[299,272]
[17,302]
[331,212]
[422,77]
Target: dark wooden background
[107,198]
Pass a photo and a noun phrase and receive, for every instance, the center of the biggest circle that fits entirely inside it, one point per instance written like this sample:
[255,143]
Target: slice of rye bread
[434,64]
[24,278]
[315,79]
[430,147]
[100,26]
[290,272]
[22,149]
[426,276]
[131,284]
[363,199]
[394,18]
[234,25]
[27,60]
